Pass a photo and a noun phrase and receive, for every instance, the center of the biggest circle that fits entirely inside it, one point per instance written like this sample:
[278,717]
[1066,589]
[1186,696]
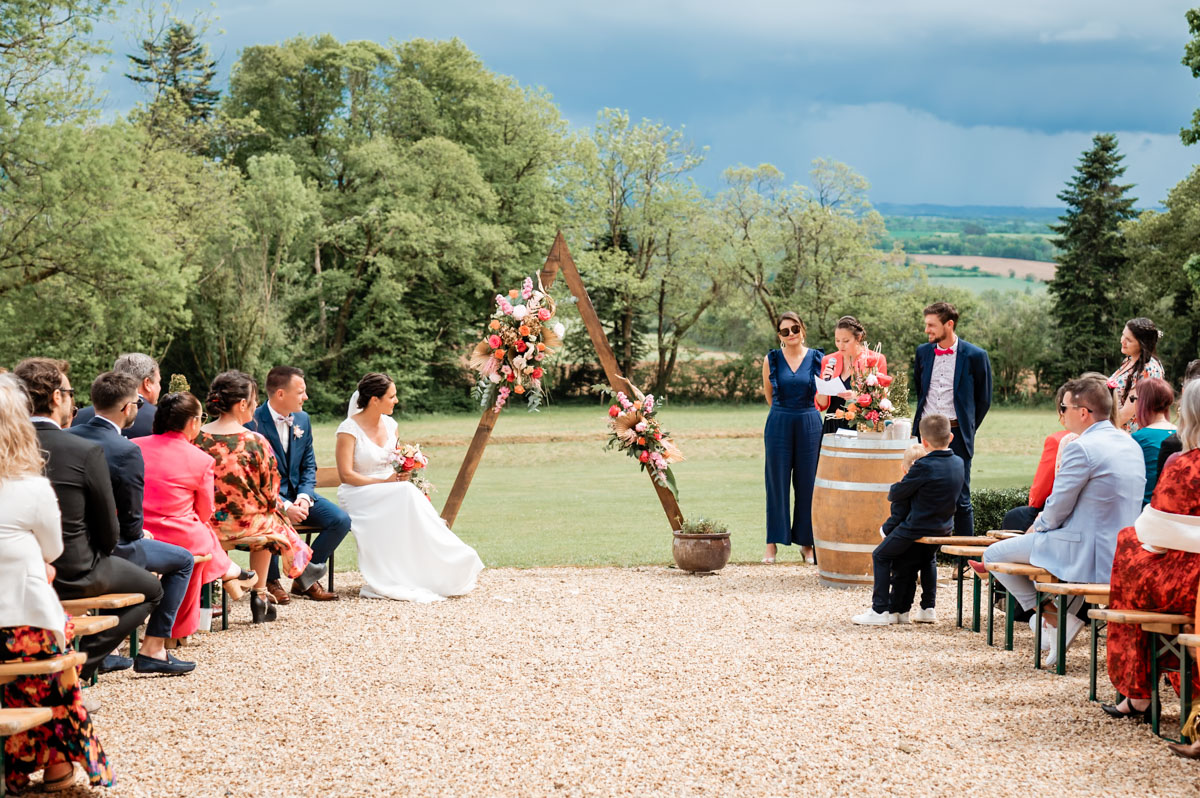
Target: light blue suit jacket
[1097,493]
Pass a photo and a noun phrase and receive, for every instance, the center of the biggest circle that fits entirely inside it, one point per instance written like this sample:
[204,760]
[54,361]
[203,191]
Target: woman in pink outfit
[179,501]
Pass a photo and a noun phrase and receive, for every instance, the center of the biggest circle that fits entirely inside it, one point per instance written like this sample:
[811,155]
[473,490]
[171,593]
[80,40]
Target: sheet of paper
[830,387]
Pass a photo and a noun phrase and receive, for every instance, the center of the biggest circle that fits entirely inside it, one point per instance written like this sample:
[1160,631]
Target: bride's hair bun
[229,388]
[372,385]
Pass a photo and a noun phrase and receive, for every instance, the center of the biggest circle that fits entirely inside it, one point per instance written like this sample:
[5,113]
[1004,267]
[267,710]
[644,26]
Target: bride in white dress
[405,550]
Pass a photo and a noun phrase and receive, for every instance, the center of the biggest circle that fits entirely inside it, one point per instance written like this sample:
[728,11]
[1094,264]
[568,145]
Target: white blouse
[30,536]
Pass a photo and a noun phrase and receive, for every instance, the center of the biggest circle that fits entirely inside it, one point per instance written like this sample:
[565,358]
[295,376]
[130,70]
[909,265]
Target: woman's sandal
[238,585]
[768,560]
[1114,711]
[64,782]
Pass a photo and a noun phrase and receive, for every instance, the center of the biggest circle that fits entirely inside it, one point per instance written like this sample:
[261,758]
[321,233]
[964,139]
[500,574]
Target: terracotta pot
[695,553]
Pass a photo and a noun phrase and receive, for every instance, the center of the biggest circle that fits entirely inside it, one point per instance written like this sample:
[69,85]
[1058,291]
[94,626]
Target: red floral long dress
[247,502]
[1143,580]
[69,734]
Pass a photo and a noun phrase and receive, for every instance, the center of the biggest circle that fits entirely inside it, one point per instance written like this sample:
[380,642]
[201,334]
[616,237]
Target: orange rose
[499,354]
[513,293]
[637,405]
[522,331]
[541,347]
[518,388]
[641,441]
[495,325]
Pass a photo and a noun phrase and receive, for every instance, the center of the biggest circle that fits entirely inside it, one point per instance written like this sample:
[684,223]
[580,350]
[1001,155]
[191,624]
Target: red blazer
[1043,478]
[831,365]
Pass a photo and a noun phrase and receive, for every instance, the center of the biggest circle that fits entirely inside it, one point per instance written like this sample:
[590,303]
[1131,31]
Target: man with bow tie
[953,378]
[282,421]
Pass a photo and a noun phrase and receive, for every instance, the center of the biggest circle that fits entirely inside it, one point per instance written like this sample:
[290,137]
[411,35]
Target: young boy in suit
[931,487]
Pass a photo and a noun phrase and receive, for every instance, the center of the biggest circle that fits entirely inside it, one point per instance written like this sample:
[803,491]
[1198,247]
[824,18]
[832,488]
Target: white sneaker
[1047,631]
[872,618]
[1074,626]
[925,616]
[899,617]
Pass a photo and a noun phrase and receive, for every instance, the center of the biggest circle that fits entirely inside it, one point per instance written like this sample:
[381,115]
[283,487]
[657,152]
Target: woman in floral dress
[246,485]
[32,623]
[1139,342]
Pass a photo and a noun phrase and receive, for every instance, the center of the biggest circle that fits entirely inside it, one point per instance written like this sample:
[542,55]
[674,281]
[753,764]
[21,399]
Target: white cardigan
[30,536]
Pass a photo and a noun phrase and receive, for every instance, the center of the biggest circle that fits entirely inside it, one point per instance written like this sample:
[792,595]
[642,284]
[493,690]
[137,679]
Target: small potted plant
[701,546]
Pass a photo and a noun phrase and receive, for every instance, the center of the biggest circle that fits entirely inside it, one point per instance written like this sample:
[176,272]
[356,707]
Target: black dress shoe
[115,662]
[168,667]
[1113,711]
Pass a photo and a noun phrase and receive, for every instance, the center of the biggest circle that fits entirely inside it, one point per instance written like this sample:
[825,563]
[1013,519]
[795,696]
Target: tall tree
[1191,60]
[1088,307]
[175,67]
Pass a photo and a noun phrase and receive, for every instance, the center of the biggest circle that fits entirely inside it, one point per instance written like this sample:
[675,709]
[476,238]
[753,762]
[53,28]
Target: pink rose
[494,341]
[544,314]
[884,380]
[864,399]
[644,457]
[537,373]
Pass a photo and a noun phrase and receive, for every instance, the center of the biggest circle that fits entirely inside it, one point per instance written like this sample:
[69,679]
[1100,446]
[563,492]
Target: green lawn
[547,493]
[981,281]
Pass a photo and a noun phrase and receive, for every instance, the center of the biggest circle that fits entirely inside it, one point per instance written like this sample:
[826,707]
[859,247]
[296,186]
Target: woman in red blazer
[851,356]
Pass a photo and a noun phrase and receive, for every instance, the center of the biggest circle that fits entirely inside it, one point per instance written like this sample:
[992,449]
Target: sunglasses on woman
[786,331]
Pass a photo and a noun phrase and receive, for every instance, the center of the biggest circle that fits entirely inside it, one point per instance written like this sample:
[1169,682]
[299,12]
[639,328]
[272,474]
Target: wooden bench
[90,624]
[1010,605]
[963,553]
[1005,534]
[1093,593]
[66,665]
[108,601]
[1165,630]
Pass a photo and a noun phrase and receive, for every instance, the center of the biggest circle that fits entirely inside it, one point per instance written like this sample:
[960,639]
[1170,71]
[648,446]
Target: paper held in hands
[831,387]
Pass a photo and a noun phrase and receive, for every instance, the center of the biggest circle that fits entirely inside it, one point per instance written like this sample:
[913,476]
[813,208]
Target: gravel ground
[643,681]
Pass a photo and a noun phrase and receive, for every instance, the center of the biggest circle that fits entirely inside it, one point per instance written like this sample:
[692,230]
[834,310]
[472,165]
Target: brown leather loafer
[277,592]
[314,592]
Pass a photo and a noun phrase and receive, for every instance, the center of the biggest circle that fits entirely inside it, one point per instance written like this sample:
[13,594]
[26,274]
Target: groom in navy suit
[282,422]
[953,378]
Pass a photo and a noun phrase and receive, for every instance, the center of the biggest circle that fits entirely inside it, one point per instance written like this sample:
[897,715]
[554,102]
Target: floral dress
[1144,580]
[1120,379]
[246,489]
[69,733]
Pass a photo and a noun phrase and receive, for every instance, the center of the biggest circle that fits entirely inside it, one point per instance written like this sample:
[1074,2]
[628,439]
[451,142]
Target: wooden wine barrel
[850,504]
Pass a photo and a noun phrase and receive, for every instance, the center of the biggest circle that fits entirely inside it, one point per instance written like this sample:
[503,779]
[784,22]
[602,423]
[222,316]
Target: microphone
[830,369]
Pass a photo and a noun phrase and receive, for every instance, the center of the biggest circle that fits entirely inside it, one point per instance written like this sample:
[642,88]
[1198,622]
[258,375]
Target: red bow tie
[937,350]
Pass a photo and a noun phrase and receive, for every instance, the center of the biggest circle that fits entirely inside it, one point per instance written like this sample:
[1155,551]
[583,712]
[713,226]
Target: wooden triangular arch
[559,260]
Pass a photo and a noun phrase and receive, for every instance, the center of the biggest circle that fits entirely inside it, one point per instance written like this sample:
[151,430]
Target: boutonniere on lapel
[297,431]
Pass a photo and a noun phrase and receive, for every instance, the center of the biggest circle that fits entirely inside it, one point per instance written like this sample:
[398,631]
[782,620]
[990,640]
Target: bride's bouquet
[520,336]
[409,459]
[871,407]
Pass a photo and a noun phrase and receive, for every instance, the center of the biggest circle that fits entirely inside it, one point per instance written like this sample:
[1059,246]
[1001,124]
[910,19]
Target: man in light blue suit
[1097,493]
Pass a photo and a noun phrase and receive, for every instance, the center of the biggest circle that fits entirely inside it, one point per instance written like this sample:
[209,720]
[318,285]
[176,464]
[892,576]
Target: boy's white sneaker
[925,615]
[872,618]
[899,617]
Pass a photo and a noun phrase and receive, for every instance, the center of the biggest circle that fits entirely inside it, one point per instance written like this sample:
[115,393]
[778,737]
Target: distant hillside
[1041,215]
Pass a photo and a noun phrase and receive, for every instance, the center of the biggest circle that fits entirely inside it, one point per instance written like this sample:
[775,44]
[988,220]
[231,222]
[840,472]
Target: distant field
[1041,270]
[980,281]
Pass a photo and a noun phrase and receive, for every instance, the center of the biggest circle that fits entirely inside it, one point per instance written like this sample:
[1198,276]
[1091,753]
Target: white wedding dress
[405,550]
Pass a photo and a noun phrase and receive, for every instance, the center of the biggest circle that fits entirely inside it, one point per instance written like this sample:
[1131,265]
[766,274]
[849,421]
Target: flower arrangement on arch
[634,428]
[409,459]
[520,336]
[871,408]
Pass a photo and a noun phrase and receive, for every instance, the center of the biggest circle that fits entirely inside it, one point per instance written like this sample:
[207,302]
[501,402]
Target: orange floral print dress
[246,501]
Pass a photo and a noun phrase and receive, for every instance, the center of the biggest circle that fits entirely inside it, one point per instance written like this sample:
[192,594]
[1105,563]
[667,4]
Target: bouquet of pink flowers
[520,336]
[409,459]
[634,429]
[871,408]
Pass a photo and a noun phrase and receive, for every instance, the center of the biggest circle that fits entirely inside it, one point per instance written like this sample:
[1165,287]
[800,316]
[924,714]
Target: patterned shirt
[940,397]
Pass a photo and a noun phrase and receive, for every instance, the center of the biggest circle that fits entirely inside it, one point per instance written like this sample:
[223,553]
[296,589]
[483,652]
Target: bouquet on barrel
[409,459]
[870,408]
[634,429]
[519,337]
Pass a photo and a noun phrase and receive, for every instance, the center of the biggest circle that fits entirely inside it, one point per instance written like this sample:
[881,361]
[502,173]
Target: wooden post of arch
[559,260]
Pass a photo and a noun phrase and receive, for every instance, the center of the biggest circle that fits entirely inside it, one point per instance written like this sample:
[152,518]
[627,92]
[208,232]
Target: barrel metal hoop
[864,455]
[866,548]
[863,578]
[865,487]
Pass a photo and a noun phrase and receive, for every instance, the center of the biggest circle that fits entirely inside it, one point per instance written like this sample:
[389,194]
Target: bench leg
[1060,667]
[331,572]
[976,587]
[224,610]
[1010,609]
[133,644]
[1155,708]
[1094,651]
[1037,633]
[1185,690]
[991,633]
[959,622]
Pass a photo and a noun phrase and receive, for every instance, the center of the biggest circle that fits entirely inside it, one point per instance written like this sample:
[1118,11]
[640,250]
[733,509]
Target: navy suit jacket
[126,469]
[297,466]
[931,488]
[972,388]
[142,426]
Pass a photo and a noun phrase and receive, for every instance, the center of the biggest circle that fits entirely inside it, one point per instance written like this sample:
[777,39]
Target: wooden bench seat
[1092,593]
[15,721]
[108,601]
[65,664]
[1163,623]
[960,540]
[1021,569]
[1005,534]
[1189,640]
[90,624]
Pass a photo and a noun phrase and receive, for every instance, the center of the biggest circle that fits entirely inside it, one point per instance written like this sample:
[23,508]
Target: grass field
[547,493]
[979,281]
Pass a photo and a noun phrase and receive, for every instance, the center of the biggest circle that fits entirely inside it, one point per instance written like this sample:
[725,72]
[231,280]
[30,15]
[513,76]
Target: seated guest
[144,370]
[32,623]
[1154,569]
[1154,426]
[1043,477]
[79,474]
[178,503]
[1172,445]
[247,485]
[1097,492]
[115,399]
[282,421]
[931,487]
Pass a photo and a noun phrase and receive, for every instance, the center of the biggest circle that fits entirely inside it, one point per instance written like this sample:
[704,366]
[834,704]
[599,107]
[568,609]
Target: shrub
[991,504]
